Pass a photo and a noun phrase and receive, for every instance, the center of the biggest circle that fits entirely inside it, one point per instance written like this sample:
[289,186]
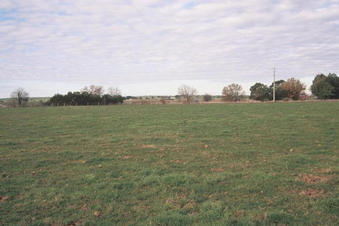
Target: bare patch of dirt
[205,153]
[4,198]
[126,157]
[70,224]
[176,161]
[84,207]
[219,170]
[148,146]
[171,201]
[312,179]
[312,193]
[239,214]
[96,213]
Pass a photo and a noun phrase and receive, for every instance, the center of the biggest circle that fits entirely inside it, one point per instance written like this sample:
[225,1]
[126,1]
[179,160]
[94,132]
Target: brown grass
[312,179]
[312,193]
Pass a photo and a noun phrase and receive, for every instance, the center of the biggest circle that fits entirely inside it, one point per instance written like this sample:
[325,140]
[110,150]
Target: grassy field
[217,164]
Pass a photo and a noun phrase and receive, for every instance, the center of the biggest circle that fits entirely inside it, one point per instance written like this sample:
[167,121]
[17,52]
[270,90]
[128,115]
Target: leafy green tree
[279,92]
[326,87]
[259,91]
[333,79]
[322,88]
[57,100]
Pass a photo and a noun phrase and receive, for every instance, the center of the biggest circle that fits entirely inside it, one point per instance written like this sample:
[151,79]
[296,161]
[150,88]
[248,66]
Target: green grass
[217,164]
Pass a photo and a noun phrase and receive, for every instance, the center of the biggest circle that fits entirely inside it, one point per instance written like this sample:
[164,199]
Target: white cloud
[152,41]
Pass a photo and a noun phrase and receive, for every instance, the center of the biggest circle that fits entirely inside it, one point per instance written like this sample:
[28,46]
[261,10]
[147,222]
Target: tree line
[323,87]
[93,95]
[291,89]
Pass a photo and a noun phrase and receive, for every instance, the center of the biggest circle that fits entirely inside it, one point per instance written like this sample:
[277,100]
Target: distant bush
[207,97]
[39,103]
[162,101]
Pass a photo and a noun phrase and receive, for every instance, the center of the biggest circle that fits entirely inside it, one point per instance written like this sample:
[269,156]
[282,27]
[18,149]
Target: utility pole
[274,84]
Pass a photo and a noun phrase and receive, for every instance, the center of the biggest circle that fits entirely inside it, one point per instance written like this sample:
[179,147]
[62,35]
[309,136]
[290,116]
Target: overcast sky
[150,47]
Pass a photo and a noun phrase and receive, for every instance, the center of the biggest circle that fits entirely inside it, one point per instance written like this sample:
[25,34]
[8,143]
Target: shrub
[207,97]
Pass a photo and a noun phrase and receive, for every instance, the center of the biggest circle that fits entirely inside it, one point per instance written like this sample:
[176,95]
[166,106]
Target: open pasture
[219,164]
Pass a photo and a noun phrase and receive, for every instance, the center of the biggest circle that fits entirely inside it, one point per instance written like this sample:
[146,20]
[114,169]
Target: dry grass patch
[312,193]
[219,170]
[126,157]
[312,179]
[4,198]
[148,146]
[327,170]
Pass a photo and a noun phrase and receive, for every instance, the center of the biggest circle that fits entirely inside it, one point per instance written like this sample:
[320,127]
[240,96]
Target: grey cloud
[147,41]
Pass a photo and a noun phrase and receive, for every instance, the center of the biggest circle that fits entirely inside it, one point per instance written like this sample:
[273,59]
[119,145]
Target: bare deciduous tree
[232,92]
[94,90]
[114,91]
[187,93]
[20,97]
[162,101]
